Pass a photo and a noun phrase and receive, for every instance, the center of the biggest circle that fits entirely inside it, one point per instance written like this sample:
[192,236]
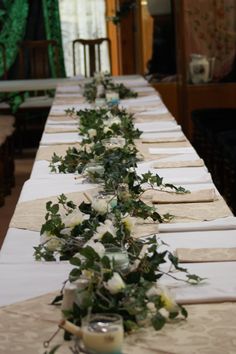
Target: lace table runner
[46,152]
[187,255]
[30,215]
[209,329]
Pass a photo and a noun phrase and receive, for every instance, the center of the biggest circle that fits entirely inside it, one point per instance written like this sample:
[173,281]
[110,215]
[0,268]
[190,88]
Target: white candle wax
[104,342]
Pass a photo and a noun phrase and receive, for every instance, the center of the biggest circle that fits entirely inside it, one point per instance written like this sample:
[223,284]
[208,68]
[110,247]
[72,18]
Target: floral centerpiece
[102,83]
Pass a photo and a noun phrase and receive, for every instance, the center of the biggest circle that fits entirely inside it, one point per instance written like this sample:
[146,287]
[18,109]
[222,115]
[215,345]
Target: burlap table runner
[178,164]
[199,196]
[146,107]
[189,212]
[142,118]
[30,215]
[144,148]
[209,329]
[188,255]
[68,100]
[66,129]
[45,153]
[60,117]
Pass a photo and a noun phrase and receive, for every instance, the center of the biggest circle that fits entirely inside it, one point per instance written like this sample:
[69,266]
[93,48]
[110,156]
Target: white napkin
[228,223]
[163,136]
[219,286]
[171,151]
[156,127]
[47,187]
[68,121]
[204,195]
[60,138]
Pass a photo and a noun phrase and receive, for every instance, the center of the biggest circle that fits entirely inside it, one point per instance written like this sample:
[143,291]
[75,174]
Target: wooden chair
[4,61]
[92,47]
[34,59]
[34,63]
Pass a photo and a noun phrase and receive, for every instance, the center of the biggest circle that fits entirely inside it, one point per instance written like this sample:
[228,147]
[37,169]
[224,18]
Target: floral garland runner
[114,272]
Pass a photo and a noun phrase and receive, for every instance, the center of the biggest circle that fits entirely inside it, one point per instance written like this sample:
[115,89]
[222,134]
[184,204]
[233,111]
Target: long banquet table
[27,286]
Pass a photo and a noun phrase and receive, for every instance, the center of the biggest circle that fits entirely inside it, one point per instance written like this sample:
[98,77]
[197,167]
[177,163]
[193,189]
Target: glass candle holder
[119,256]
[103,333]
[109,197]
[112,98]
[114,142]
[100,102]
[94,171]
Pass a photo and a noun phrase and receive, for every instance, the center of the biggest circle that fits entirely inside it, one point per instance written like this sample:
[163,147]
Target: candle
[103,333]
[69,297]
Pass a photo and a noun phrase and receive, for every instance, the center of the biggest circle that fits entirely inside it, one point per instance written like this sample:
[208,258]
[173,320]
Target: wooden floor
[23,168]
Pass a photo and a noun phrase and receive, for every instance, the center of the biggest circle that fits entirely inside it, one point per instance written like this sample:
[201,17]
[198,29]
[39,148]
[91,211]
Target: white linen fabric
[219,284]
[23,278]
[60,138]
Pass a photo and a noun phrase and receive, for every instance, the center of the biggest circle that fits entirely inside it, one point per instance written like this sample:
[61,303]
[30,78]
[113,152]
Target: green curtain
[53,31]
[13,18]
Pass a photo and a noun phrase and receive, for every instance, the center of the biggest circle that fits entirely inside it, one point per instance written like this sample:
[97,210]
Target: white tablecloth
[22,277]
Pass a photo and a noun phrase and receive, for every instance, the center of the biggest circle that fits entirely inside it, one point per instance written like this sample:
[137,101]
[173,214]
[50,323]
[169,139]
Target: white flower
[166,297]
[66,231]
[100,206]
[102,229]
[129,223]
[112,120]
[106,130]
[92,133]
[97,246]
[88,147]
[98,76]
[73,219]
[51,242]
[115,284]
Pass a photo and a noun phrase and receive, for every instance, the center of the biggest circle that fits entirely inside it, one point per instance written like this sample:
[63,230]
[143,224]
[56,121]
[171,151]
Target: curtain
[211,30]
[13,18]
[53,31]
[82,19]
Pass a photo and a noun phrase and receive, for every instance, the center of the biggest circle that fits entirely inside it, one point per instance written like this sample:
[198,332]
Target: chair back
[92,47]
[34,59]
[4,60]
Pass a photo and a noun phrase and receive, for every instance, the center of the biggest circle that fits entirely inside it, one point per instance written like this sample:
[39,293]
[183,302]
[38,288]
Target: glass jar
[94,171]
[103,333]
[119,256]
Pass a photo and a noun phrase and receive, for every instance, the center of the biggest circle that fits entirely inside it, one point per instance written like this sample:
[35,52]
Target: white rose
[66,231]
[107,226]
[106,130]
[129,223]
[100,206]
[166,296]
[92,133]
[109,115]
[97,246]
[115,284]
[99,77]
[112,120]
[51,242]
[73,219]
[88,147]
